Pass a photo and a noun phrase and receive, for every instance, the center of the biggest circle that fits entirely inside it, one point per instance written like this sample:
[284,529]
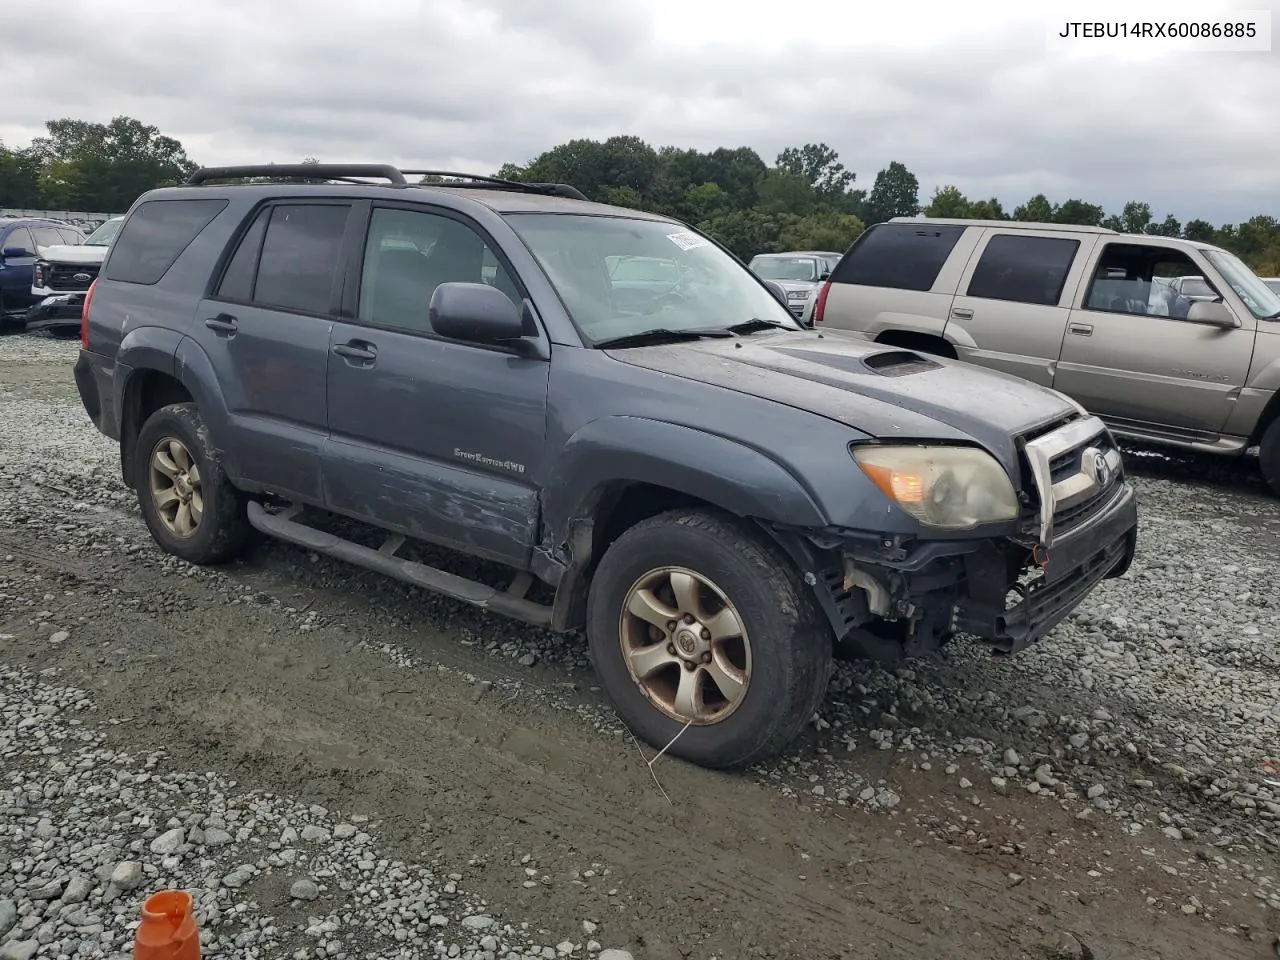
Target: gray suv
[721,499]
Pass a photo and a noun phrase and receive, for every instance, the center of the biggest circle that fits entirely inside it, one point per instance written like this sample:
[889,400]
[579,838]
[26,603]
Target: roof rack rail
[476,181]
[310,171]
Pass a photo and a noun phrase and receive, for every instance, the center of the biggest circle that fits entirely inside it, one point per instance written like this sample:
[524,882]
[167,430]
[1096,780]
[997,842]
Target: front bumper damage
[890,598]
[59,312]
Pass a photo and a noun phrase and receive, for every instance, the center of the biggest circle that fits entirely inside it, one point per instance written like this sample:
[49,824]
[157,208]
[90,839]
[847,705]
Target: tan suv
[1098,315]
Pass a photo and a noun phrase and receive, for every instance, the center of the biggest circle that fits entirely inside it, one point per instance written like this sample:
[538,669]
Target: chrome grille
[1074,469]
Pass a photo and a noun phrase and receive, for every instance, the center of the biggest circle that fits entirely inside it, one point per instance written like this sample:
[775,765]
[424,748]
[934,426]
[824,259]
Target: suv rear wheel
[189,505]
[696,619]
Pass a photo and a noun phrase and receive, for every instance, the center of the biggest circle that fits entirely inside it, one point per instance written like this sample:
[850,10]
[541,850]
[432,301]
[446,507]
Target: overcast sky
[963,93]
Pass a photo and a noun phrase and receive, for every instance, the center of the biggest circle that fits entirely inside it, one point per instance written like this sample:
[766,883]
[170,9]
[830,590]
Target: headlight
[950,488]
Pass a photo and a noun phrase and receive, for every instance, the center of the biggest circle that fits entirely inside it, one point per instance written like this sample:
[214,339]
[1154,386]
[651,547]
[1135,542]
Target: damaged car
[720,499]
[62,277]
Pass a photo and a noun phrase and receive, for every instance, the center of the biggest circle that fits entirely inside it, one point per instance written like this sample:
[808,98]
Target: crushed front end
[894,596]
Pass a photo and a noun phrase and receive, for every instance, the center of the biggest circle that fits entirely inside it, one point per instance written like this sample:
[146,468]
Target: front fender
[723,472]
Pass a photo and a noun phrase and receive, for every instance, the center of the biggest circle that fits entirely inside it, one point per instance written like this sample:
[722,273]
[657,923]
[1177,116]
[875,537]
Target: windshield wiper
[651,338]
[755,324]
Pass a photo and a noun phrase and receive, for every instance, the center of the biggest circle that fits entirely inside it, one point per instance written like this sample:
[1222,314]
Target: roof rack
[476,181]
[310,171]
[348,172]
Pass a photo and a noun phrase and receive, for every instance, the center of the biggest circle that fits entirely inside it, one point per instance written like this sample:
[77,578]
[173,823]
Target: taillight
[820,307]
[84,315]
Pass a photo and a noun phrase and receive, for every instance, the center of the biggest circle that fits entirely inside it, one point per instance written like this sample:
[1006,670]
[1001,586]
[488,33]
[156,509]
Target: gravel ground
[1130,755]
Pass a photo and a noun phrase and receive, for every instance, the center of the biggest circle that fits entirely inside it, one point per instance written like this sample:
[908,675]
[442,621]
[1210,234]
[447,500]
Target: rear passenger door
[1011,310]
[438,439]
[266,330]
[900,277]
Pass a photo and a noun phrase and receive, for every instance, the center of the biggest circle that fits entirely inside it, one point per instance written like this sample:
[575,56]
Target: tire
[222,531]
[1269,456]
[788,645]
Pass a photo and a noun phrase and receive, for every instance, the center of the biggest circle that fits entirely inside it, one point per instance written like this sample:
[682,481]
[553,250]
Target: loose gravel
[93,830]
[1157,707]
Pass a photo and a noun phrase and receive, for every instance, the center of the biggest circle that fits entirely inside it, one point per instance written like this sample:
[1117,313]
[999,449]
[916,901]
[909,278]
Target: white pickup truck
[63,275]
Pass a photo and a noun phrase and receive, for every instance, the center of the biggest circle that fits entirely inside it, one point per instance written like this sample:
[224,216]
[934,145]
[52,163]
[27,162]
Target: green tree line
[804,200]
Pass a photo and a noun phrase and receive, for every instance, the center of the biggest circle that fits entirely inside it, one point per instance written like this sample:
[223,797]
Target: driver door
[438,439]
[1130,356]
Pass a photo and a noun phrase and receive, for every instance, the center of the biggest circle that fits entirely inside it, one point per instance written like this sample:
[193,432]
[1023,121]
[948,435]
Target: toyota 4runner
[722,499]
[1169,341]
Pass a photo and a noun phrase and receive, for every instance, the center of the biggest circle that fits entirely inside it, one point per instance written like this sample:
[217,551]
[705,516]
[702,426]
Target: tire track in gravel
[313,714]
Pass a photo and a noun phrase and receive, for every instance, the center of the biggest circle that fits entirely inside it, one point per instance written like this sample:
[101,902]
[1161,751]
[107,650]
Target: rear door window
[901,256]
[299,257]
[1023,269]
[154,237]
[48,237]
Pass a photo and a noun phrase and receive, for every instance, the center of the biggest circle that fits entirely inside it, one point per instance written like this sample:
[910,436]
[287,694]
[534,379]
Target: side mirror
[824,275]
[16,252]
[475,313]
[776,289]
[1212,313]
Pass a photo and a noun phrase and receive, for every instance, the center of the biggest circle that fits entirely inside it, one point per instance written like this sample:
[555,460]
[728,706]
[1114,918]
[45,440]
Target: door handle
[361,351]
[223,323]
[1081,329]
[962,313]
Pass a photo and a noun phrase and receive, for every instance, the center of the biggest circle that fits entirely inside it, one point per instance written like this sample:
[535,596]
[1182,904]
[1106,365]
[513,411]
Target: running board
[509,603]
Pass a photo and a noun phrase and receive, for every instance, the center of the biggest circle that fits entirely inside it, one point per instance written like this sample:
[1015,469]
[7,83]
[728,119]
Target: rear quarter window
[154,237]
[901,256]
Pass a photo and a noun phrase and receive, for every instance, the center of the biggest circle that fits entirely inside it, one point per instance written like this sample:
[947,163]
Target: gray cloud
[475,84]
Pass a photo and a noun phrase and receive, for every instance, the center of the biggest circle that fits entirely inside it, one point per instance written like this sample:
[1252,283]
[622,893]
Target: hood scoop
[898,363]
[884,363]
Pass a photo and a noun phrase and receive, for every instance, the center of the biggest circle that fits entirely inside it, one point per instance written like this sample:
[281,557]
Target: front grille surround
[1072,469]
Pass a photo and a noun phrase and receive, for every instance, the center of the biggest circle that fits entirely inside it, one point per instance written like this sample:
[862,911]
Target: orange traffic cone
[168,930]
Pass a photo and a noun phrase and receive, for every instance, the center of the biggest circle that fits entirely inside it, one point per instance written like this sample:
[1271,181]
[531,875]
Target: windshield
[688,282]
[1262,301]
[103,236]
[785,268]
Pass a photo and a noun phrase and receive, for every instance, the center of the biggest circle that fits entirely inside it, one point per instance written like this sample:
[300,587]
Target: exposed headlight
[950,488]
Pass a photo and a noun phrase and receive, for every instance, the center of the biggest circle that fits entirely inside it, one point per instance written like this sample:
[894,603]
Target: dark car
[20,243]
[722,499]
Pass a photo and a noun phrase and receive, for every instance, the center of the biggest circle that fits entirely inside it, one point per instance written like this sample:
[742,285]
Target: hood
[799,286]
[886,392]
[80,253]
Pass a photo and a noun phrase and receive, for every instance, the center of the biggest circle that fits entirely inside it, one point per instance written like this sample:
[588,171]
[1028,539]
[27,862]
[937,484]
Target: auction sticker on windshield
[687,240]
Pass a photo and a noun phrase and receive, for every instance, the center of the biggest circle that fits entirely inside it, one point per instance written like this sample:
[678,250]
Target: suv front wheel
[695,620]
[189,505]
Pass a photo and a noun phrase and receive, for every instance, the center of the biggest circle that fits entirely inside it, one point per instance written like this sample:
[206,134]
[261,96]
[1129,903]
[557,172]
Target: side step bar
[509,603]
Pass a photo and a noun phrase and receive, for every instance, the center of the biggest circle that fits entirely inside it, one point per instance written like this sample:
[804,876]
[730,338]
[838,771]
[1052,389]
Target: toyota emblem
[82,278]
[1101,469]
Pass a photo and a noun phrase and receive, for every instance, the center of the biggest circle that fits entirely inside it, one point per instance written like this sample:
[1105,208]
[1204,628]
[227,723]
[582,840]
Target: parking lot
[349,767]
